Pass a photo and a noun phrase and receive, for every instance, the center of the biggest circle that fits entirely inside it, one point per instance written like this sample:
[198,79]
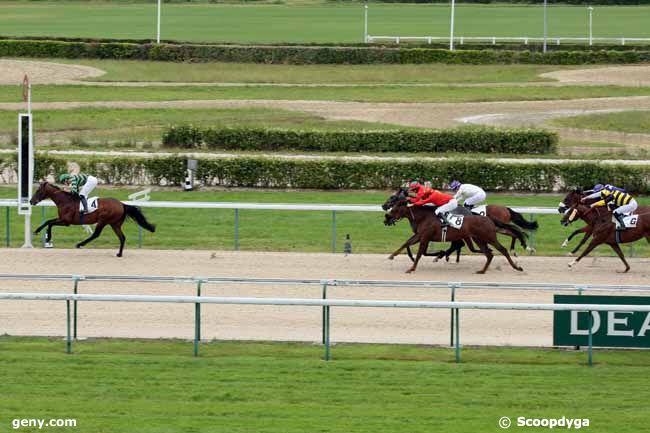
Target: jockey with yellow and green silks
[80,184]
[618,201]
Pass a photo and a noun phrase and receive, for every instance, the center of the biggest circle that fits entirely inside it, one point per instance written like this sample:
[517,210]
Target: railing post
[580,289]
[197,319]
[68,341]
[590,340]
[236,229]
[139,237]
[452,286]
[333,231]
[533,241]
[324,296]
[75,278]
[44,234]
[8,232]
[457,336]
[327,333]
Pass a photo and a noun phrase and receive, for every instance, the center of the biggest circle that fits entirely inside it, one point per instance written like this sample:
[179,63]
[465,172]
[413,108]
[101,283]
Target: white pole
[591,38]
[451,27]
[545,26]
[158,24]
[365,22]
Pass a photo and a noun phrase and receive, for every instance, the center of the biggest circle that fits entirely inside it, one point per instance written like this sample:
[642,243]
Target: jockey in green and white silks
[80,184]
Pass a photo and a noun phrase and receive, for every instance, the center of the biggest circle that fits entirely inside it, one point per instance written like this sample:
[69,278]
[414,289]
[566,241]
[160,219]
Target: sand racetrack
[103,319]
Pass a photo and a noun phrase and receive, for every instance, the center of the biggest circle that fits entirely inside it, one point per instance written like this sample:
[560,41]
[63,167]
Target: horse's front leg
[582,242]
[412,240]
[422,248]
[46,223]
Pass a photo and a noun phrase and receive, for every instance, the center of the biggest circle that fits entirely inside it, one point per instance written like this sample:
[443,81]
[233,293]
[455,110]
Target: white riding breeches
[451,205]
[476,198]
[628,208]
[88,187]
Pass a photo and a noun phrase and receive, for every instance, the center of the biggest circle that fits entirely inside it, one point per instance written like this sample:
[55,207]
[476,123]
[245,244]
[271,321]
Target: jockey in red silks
[444,203]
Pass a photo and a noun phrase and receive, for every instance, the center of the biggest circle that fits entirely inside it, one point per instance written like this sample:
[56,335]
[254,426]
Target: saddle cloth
[630,221]
[480,210]
[93,204]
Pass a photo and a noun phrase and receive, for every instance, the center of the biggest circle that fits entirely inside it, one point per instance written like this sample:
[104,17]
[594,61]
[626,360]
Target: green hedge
[483,140]
[307,54]
[349,174]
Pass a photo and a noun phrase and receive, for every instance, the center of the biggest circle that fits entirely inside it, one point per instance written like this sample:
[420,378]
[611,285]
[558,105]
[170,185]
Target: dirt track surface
[290,323]
[13,71]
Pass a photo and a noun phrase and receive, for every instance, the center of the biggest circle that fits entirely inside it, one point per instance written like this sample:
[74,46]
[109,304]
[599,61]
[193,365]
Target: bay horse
[574,198]
[604,230]
[476,228]
[109,212]
[496,213]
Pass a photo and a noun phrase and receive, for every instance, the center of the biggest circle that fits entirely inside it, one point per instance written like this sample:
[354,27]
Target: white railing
[494,39]
[326,304]
[237,206]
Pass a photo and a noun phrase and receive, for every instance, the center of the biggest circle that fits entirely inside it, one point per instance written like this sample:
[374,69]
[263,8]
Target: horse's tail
[516,218]
[136,214]
[516,231]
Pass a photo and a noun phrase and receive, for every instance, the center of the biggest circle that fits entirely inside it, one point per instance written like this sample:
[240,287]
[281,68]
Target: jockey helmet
[454,185]
[598,187]
[414,185]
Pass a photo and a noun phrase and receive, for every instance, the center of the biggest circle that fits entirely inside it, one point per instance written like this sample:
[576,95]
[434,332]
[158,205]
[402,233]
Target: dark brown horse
[476,228]
[497,213]
[574,198]
[604,230]
[109,212]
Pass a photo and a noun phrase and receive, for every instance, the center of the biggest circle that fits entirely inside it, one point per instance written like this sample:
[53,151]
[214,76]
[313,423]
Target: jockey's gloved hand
[611,206]
[409,205]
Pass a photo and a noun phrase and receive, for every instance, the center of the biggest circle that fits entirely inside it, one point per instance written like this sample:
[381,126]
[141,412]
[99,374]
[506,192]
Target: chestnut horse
[604,230]
[477,228]
[109,212]
[496,213]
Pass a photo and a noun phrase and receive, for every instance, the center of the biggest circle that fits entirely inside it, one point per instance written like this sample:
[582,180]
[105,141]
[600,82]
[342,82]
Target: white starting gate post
[26,162]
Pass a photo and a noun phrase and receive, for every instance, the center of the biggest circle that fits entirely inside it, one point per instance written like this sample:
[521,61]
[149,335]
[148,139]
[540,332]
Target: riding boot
[468,206]
[443,219]
[83,211]
[619,218]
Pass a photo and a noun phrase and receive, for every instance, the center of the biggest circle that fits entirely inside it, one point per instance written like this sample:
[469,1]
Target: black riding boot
[619,218]
[443,220]
[84,203]
[468,206]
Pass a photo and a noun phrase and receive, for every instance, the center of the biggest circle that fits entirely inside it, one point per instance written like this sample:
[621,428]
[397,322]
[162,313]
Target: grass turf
[313,22]
[624,121]
[146,71]
[388,93]
[284,230]
[104,124]
[124,386]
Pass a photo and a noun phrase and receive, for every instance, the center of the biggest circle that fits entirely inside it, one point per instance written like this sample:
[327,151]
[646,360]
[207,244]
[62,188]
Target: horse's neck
[60,198]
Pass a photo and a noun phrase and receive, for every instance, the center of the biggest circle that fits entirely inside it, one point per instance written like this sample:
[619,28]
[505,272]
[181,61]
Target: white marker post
[451,26]
[26,162]
[158,24]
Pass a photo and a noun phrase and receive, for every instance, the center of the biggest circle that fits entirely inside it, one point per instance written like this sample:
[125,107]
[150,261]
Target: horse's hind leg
[488,255]
[117,228]
[617,250]
[95,235]
[503,251]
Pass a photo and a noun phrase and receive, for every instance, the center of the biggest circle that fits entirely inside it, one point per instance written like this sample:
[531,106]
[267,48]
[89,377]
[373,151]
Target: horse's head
[570,200]
[401,194]
[396,212]
[44,190]
[575,212]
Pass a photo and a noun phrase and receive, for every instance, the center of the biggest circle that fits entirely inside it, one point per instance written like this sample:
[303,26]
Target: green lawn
[145,71]
[50,93]
[308,231]
[313,22]
[625,121]
[105,124]
[157,386]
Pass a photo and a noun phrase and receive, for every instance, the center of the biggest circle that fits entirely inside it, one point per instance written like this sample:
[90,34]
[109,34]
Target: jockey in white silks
[471,195]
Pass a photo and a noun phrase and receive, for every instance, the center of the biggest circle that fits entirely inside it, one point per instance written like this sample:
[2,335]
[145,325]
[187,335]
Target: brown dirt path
[291,323]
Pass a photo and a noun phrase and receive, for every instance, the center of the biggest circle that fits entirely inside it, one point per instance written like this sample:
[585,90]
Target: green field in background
[318,22]
[308,231]
[625,121]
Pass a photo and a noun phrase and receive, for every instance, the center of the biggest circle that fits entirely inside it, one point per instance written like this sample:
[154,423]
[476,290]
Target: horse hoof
[409,271]
[78,246]
[480,272]
[119,254]
[519,268]
[436,260]
[622,272]
[564,244]
[513,253]
[391,257]
[572,264]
